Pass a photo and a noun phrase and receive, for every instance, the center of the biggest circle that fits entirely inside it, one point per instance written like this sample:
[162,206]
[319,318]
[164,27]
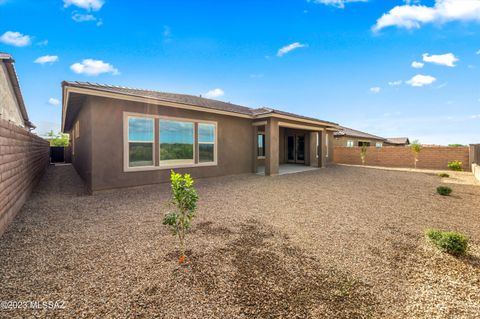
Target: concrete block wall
[391,156]
[24,157]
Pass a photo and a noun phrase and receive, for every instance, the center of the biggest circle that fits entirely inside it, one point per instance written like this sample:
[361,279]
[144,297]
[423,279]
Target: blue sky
[345,61]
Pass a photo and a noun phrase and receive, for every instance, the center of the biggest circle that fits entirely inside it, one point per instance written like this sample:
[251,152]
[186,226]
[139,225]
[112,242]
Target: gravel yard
[342,242]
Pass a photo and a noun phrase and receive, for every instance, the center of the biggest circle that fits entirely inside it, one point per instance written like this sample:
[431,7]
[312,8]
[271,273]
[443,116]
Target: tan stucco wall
[235,144]
[81,146]
[9,109]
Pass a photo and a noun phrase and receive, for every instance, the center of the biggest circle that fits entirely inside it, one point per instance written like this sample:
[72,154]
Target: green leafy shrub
[455,166]
[448,241]
[443,175]
[184,199]
[444,190]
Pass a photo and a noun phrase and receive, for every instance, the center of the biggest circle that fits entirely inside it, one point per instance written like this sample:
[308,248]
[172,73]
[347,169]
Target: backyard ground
[342,242]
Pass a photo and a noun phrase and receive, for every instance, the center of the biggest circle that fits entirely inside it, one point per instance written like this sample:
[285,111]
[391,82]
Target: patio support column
[255,148]
[272,144]
[314,156]
[323,149]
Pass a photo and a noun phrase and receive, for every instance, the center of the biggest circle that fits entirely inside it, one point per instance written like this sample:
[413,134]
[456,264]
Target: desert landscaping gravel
[341,242]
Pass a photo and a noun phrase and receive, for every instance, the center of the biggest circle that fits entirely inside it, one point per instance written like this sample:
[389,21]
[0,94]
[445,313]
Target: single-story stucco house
[12,106]
[348,137]
[397,141]
[123,137]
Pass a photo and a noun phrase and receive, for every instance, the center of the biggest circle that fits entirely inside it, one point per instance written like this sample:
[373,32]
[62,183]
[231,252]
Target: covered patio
[284,169]
[283,146]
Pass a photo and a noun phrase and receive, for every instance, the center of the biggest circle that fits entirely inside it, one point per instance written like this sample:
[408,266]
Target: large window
[176,142]
[206,143]
[363,143]
[261,145]
[156,142]
[140,141]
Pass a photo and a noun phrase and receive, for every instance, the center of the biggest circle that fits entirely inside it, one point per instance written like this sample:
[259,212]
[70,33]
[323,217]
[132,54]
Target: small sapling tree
[363,153]
[416,148]
[184,199]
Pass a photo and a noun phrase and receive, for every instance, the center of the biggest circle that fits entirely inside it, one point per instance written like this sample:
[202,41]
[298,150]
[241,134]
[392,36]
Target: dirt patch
[342,242]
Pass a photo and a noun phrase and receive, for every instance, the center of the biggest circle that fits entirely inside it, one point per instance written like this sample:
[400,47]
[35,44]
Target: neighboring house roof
[8,60]
[398,140]
[345,131]
[186,99]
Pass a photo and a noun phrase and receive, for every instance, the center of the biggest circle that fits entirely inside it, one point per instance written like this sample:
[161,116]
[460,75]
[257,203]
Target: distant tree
[416,148]
[456,145]
[363,153]
[59,139]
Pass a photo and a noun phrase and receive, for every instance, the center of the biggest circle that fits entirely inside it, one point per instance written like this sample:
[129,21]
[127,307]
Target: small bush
[444,190]
[448,241]
[443,175]
[455,166]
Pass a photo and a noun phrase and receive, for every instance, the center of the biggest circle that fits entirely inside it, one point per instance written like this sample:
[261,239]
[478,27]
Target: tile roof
[9,62]
[398,140]
[345,131]
[186,99]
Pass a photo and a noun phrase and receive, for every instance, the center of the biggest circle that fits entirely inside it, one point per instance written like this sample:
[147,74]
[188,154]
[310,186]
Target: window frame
[215,143]
[264,150]
[77,129]
[368,143]
[350,143]
[378,144]
[127,144]
[156,140]
[326,146]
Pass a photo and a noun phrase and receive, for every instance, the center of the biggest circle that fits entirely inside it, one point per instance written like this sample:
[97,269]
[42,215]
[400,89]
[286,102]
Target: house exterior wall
[9,108]
[81,141]
[391,156]
[24,157]
[342,141]
[234,142]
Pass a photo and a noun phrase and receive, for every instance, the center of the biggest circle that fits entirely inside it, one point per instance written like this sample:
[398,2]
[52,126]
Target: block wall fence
[393,156]
[24,157]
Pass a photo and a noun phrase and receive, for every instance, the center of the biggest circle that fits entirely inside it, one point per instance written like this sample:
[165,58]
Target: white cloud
[420,80]
[79,17]
[15,38]
[413,16]
[214,93]
[46,59]
[395,83]
[42,43]
[375,89]
[447,59]
[336,3]
[93,67]
[94,5]
[288,48]
[53,101]
[478,52]
[476,116]
[417,65]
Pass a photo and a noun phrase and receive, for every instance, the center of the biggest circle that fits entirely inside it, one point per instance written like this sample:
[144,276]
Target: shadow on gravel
[269,278]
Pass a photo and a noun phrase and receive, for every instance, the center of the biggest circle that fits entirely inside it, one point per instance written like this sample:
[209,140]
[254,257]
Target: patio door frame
[296,151]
